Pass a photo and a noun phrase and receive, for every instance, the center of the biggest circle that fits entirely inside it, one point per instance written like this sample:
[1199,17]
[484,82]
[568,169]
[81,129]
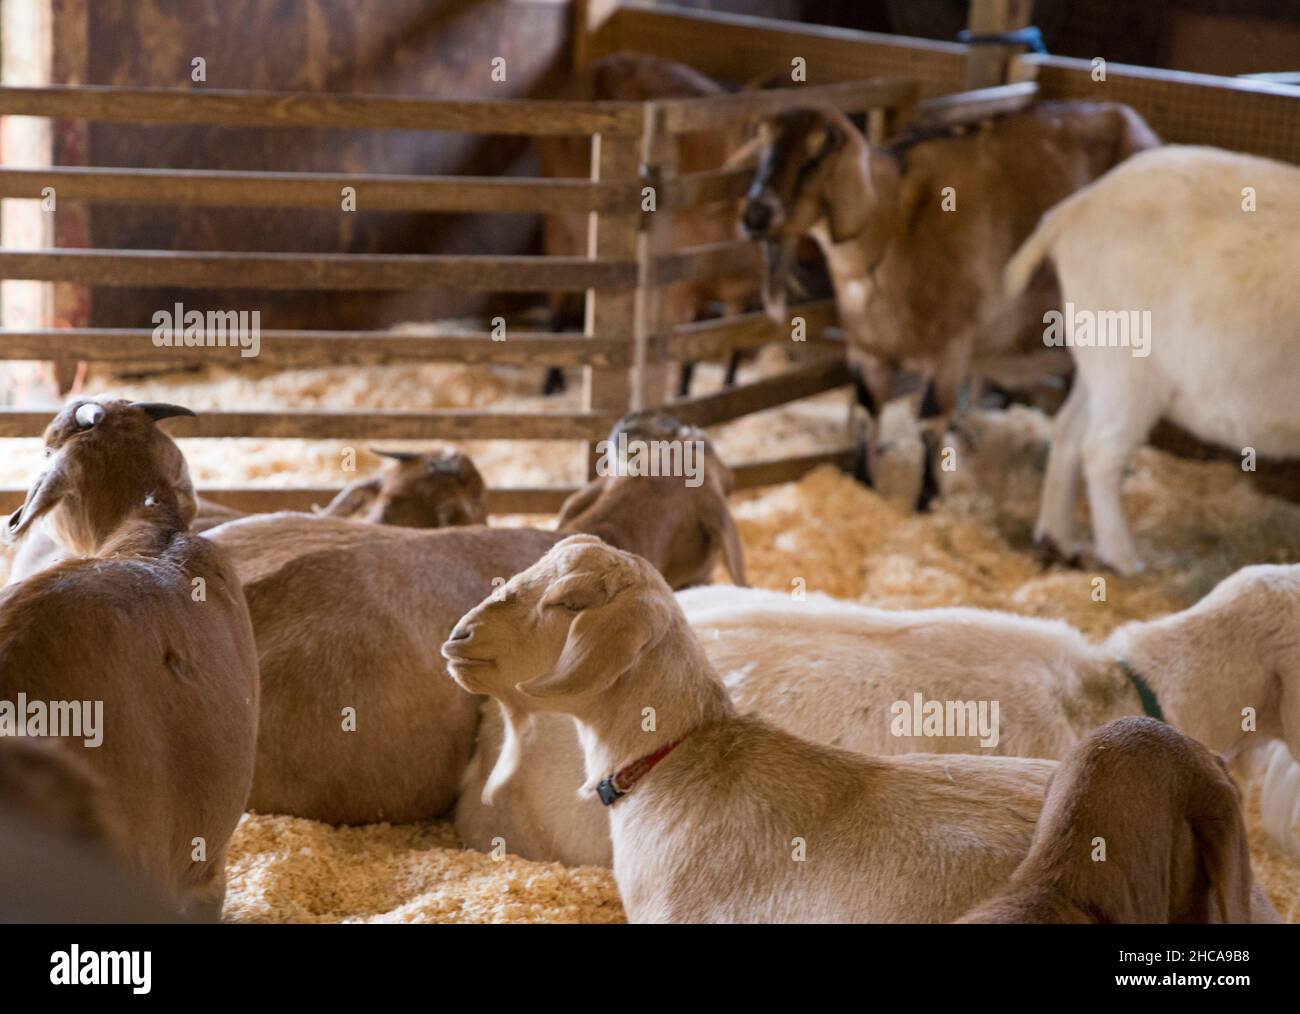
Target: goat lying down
[1140,824]
[359,722]
[916,235]
[150,620]
[436,490]
[839,673]
[1217,351]
[59,860]
[717,817]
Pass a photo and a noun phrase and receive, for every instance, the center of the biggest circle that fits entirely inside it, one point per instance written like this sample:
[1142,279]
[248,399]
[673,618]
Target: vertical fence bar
[611,315]
[659,157]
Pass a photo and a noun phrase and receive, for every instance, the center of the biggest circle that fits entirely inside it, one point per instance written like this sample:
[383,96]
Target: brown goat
[916,235]
[359,722]
[57,861]
[1168,815]
[436,490]
[151,625]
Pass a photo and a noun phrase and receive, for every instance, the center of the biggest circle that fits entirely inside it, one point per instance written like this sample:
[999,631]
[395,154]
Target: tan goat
[1141,824]
[916,235]
[436,490]
[150,623]
[359,722]
[722,818]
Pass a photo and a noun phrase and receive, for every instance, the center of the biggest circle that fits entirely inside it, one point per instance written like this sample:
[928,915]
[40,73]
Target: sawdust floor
[1194,522]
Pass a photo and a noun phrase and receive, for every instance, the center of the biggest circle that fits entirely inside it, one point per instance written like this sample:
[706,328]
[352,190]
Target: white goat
[152,622]
[722,818]
[1207,241]
[835,672]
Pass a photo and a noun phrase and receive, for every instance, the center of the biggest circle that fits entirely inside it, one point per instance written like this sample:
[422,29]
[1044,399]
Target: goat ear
[352,497]
[604,642]
[720,529]
[847,206]
[50,487]
[579,502]
[1221,841]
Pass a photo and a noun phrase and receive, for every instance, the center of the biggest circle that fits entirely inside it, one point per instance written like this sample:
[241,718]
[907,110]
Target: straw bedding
[1194,522]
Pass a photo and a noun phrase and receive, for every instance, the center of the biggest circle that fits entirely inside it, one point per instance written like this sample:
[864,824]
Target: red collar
[622,781]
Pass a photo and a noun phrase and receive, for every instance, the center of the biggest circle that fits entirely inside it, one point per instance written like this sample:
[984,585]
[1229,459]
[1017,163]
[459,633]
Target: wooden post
[611,314]
[650,375]
[588,16]
[986,65]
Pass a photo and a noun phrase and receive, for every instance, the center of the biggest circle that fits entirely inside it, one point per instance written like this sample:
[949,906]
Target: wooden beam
[717,111]
[288,349]
[210,188]
[987,64]
[441,425]
[973,106]
[329,272]
[112,104]
[816,377]
[778,470]
[715,339]
[709,260]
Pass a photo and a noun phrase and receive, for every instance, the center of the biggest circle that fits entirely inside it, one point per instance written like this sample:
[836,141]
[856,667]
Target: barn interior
[374,337]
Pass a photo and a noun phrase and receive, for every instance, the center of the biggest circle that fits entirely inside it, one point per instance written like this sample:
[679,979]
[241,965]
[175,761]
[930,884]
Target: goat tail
[1276,774]
[1033,251]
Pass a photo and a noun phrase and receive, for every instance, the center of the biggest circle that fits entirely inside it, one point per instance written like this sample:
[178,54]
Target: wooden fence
[624,350]
[630,258]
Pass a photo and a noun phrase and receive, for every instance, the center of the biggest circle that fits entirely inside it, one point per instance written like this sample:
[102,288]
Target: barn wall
[437,48]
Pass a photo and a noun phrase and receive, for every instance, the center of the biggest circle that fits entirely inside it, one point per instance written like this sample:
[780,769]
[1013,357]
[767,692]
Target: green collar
[1150,706]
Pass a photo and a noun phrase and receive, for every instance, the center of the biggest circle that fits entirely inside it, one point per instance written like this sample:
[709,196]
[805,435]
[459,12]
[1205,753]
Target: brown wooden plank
[716,111]
[777,470]
[265,499]
[710,260]
[973,106]
[441,425]
[210,188]
[715,339]
[741,48]
[209,270]
[987,64]
[803,381]
[112,104]
[315,348]
[694,189]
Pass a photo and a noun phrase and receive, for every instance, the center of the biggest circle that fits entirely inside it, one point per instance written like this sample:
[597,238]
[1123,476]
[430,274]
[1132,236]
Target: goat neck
[674,678]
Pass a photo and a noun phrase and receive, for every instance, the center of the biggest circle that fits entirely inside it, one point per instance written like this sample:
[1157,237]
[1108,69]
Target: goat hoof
[1050,553]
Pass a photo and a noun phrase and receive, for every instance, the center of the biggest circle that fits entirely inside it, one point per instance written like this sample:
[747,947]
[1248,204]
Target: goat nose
[461,633]
[757,216]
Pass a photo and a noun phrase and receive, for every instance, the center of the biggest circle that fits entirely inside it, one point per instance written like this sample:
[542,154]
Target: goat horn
[397,455]
[159,410]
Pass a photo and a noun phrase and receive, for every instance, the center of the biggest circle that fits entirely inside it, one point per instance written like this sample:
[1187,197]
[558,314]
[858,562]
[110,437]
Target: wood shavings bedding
[1194,522]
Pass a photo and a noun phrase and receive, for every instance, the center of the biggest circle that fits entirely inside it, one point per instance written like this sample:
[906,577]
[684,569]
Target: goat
[1217,354]
[635,77]
[436,490]
[150,621]
[834,672]
[56,859]
[1140,824]
[916,276]
[358,722]
[716,817]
